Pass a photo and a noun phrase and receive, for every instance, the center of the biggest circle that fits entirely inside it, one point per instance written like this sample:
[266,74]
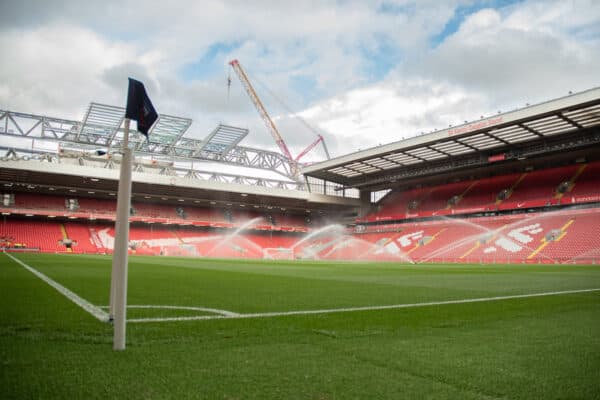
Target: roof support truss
[102,129]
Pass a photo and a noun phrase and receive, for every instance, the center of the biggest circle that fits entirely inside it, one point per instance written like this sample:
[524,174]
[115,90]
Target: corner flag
[139,107]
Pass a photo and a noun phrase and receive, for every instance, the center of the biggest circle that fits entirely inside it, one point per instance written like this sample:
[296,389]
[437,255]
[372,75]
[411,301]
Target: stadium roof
[223,138]
[474,144]
[105,121]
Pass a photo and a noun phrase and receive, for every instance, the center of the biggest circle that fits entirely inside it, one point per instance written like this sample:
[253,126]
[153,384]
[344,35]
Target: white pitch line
[211,310]
[81,302]
[367,308]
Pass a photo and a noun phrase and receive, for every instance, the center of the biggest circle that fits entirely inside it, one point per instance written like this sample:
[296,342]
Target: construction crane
[311,146]
[235,64]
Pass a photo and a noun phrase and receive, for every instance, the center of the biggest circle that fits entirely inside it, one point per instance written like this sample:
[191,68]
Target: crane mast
[261,109]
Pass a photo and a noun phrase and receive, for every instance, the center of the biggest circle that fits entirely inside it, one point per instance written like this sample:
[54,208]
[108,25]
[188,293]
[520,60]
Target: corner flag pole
[118,292]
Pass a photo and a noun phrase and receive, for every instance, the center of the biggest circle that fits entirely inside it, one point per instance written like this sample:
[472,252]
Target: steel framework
[101,131]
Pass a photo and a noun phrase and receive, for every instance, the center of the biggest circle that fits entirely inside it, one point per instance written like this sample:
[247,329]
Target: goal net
[182,250]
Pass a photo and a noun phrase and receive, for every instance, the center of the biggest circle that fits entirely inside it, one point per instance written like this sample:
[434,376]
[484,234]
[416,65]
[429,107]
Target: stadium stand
[520,187]
[400,204]
[204,214]
[97,206]
[559,236]
[443,197]
[584,188]
[28,201]
[41,235]
[505,192]
[485,194]
[153,210]
[81,236]
[538,188]
[555,234]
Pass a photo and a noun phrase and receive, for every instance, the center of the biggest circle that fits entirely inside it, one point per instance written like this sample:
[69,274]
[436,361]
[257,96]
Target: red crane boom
[310,147]
[261,109]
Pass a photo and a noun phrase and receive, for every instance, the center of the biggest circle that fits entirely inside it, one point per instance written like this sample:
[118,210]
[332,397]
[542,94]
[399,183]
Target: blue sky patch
[304,86]
[462,12]
[395,9]
[380,60]
[210,64]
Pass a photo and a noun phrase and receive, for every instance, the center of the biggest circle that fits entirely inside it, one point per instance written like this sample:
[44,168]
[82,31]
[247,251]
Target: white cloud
[497,60]
[68,54]
[393,110]
[528,55]
[56,69]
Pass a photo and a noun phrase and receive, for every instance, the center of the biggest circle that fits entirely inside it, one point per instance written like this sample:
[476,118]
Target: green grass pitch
[521,348]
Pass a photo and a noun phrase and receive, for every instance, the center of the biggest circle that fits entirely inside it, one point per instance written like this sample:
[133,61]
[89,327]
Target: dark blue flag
[139,107]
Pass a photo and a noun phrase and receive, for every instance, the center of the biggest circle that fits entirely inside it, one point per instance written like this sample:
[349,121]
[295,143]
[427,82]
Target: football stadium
[459,263]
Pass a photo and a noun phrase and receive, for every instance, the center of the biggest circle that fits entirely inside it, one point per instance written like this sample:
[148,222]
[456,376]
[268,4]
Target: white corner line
[188,308]
[367,308]
[81,302]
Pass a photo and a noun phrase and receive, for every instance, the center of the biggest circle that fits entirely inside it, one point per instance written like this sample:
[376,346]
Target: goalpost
[278,253]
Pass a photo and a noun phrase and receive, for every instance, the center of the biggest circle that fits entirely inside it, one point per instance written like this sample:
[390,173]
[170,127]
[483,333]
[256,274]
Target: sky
[361,73]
